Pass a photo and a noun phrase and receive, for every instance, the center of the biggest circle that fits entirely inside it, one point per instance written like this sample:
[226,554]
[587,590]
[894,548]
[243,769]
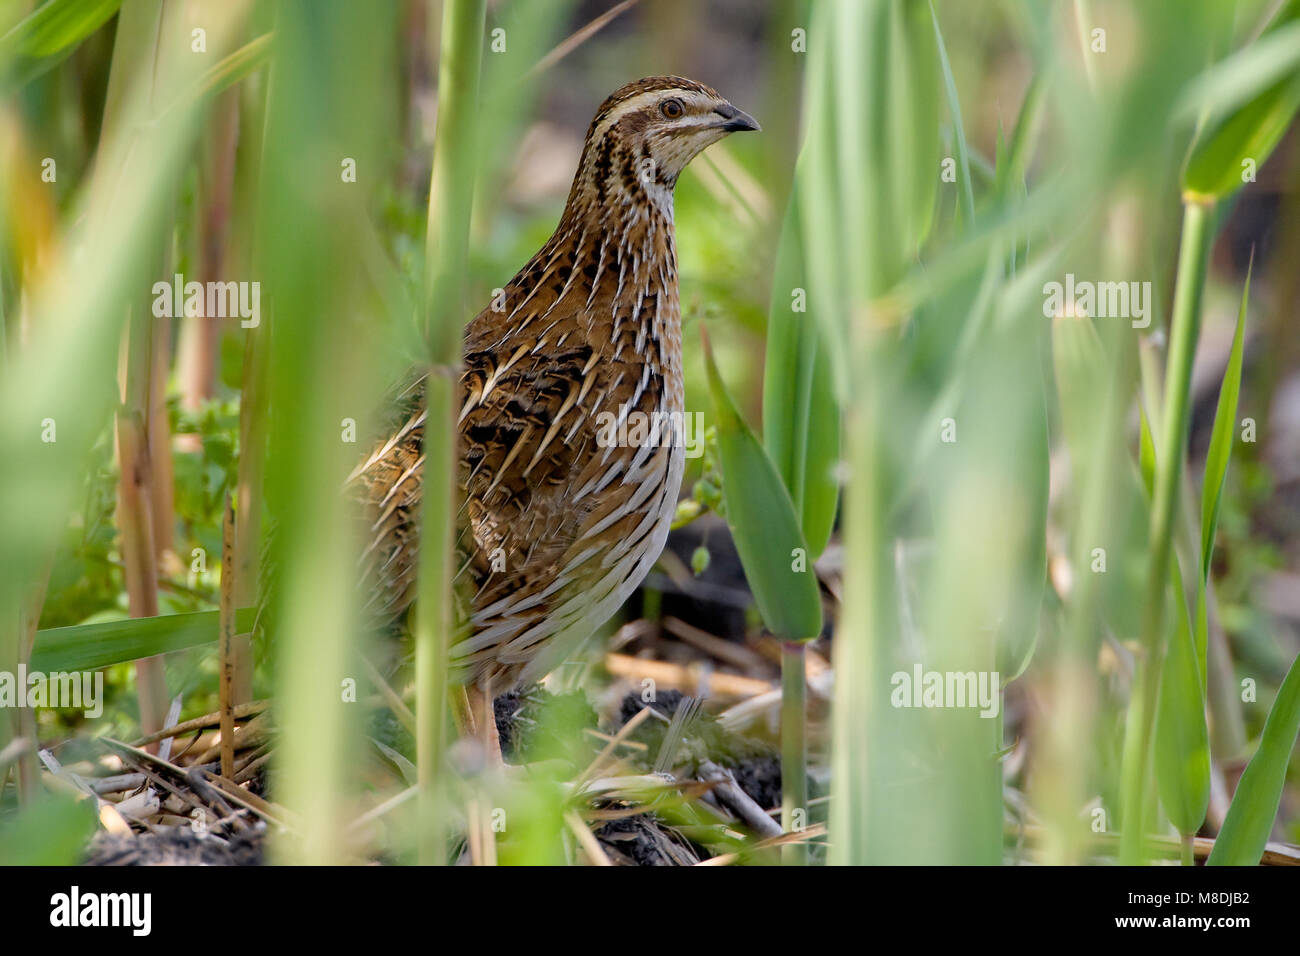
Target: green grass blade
[763,522]
[91,646]
[1225,416]
[1182,746]
[965,186]
[1254,806]
[800,413]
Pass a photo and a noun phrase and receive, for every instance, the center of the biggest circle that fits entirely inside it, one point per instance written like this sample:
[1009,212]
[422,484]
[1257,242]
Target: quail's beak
[734,120]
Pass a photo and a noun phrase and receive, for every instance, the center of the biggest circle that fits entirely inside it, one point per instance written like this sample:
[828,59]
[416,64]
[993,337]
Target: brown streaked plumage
[557,529]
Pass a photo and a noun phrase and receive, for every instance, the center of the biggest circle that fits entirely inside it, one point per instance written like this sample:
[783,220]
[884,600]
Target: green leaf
[1215,167]
[763,523]
[1182,749]
[1217,163]
[1146,452]
[1254,806]
[801,417]
[50,34]
[91,646]
[1225,418]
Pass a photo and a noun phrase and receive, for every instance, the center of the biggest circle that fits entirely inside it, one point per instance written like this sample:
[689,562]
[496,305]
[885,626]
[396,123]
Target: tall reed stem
[135,512]
[451,194]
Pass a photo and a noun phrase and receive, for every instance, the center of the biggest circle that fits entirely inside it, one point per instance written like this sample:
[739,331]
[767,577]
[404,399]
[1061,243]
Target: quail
[561,520]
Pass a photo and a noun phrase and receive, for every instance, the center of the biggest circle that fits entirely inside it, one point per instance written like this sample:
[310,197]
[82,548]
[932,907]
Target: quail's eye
[671,108]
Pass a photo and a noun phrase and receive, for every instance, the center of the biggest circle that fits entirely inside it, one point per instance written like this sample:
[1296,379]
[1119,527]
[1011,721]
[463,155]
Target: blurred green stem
[451,194]
[864,625]
[1184,332]
[794,749]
